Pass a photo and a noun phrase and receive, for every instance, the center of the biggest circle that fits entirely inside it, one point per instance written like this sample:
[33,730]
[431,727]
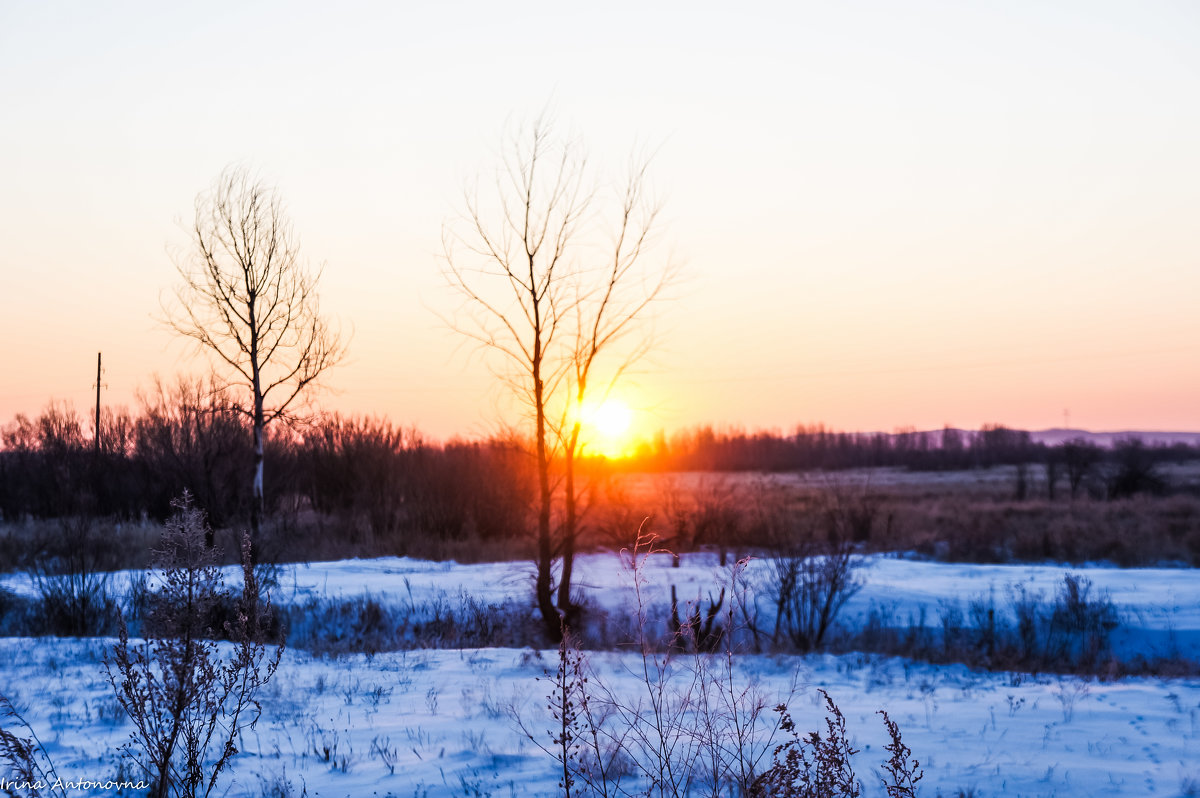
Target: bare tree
[539,292]
[606,312]
[1079,457]
[247,299]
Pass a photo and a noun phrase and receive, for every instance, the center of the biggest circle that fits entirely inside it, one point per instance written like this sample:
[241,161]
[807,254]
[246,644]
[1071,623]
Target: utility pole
[97,436]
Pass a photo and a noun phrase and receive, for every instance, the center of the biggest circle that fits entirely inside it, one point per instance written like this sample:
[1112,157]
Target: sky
[883,215]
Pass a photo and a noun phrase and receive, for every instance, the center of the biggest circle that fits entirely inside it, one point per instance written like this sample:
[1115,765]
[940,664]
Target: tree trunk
[257,503]
[256,499]
[544,587]
[570,528]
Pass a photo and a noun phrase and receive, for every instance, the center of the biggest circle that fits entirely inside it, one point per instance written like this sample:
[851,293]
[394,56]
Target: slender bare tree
[608,304]
[539,292]
[248,301]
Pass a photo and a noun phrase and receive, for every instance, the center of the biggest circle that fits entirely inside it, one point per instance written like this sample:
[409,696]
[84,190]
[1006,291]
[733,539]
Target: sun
[605,428]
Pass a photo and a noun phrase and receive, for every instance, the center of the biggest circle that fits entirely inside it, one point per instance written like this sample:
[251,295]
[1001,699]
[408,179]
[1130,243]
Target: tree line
[706,448]
[387,480]
[391,480]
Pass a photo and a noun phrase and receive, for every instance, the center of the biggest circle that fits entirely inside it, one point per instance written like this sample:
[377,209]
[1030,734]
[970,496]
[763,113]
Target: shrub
[72,584]
[1081,625]
[188,705]
[809,589]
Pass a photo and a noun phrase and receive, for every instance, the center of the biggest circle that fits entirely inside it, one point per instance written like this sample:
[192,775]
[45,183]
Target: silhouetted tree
[535,295]
[1052,461]
[1079,458]
[248,301]
[1134,471]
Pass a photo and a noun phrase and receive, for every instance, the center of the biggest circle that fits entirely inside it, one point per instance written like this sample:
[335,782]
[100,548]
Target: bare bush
[1081,624]
[72,583]
[813,560]
[809,590]
[690,632]
[188,704]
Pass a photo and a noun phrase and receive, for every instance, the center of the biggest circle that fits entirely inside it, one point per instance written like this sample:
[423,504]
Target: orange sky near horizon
[885,216]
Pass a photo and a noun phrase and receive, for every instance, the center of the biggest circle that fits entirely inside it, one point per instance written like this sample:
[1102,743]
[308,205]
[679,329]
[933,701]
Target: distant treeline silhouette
[816,447]
[387,479]
[191,436]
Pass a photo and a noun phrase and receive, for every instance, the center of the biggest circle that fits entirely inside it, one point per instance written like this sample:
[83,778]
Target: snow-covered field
[441,723]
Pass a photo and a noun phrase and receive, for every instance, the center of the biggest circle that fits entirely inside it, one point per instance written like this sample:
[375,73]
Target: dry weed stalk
[188,704]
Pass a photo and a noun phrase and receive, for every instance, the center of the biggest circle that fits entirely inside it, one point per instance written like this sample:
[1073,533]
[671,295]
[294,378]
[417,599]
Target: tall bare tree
[609,301]
[248,300]
[542,293]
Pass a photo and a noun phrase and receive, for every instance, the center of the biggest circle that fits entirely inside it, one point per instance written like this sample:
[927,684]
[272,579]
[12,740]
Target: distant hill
[1053,437]
[1057,435]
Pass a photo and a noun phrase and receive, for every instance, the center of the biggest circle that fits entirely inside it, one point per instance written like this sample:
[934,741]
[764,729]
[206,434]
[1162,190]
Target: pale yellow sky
[888,214]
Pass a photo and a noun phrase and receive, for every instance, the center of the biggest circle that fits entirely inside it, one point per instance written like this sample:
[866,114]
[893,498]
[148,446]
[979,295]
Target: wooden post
[97,436]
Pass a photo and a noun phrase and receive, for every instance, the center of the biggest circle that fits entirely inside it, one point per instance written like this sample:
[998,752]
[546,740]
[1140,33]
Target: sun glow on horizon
[605,428]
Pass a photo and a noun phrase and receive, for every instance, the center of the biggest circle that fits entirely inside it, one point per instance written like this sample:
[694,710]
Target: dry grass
[961,517]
